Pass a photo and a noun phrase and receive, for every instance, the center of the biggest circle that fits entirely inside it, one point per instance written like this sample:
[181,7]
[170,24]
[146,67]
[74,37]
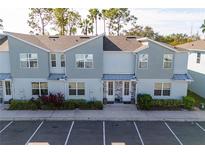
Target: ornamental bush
[144,101]
[188,102]
[22,105]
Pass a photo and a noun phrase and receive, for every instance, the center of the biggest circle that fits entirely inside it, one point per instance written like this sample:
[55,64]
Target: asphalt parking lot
[101,133]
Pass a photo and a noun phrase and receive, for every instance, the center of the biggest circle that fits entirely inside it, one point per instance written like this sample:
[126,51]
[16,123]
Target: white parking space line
[34,132]
[104,143]
[6,126]
[138,132]
[200,126]
[173,133]
[71,127]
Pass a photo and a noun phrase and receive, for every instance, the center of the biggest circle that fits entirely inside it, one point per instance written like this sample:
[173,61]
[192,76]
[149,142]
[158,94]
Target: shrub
[69,105]
[188,102]
[96,105]
[22,105]
[84,106]
[144,101]
[77,102]
[52,100]
[170,104]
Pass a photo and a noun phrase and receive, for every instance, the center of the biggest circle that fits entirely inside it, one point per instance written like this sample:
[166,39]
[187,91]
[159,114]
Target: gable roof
[199,44]
[4,44]
[51,43]
[121,43]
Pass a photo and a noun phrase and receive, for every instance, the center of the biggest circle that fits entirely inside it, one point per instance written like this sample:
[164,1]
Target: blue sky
[164,21]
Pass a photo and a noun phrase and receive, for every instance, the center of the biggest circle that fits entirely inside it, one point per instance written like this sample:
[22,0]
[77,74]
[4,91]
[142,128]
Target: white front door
[110,91]
[7,90]
[1,91]
[126,91]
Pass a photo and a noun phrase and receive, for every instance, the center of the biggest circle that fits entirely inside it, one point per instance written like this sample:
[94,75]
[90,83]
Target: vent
[84,37]
[54,37]
[192,44]
[131,37]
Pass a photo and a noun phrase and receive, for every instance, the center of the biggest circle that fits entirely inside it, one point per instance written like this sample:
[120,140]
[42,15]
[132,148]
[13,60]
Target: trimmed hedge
[66,105]
[145,102]
[22,105]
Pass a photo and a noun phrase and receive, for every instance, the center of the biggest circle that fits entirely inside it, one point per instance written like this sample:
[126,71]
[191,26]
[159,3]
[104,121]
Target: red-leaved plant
[53,99]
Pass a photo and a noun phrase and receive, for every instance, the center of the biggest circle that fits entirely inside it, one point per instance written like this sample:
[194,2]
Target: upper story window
[53,60]
[62,60]
[167,60]
[29,60]
[198,59]
[84,60]
[143,61]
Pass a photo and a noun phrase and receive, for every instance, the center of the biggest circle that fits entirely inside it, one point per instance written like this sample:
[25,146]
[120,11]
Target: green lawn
[198,98]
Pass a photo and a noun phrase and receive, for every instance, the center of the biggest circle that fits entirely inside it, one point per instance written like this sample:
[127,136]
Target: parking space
[188,132]
[86,133]
[101,132]
[3,124]
[18,132]
[121,132]
[156,133]
[52,133]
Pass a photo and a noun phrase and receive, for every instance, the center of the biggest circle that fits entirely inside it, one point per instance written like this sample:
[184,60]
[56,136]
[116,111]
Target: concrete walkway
[120,112]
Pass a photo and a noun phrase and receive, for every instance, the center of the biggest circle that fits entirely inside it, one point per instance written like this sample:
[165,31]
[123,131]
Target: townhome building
[113,69]
[196,65]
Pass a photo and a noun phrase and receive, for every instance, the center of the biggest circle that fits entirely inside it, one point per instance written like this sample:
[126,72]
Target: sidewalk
[120,112]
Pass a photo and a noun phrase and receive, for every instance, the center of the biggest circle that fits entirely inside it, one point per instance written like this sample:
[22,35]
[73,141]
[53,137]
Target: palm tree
[203,27]
[86,26]
[1,24]
[94,16]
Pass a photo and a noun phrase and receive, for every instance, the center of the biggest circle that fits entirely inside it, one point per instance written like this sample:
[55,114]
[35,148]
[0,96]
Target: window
[110,88]
[76,88]
[53,60]
[143,61]
[198,59]
[162,89]
[8,87]
[40,88]
[84,60]
[29,60]
[62,60]
[126,88]
[167,61]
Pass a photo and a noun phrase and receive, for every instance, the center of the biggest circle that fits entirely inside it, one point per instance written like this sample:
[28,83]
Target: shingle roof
[118,76]
[199,44]
[182,77]
[4,76]
[52,43]
[4,44]
[120,43]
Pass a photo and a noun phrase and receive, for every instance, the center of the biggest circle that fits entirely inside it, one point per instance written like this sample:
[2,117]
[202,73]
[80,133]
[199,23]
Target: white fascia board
[83,43]
[27,42]
[195,50]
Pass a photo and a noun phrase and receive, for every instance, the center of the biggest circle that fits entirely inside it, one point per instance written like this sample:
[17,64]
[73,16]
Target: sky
[163,21]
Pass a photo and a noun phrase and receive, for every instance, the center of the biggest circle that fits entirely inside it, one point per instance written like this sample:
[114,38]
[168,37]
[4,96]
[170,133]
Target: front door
[1,92]
[126,91]
[110,91]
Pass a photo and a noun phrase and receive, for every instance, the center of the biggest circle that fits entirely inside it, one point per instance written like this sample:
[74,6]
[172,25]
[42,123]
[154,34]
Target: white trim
[141,48]
[83,43]
[140,61]
[173,133]
[67,138]
[26,42]
[171,61]
[196,50]
[147,39]
[53,60]
[27,54]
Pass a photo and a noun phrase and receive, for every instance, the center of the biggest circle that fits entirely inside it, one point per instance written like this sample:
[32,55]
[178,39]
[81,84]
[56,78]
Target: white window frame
[62,55]
[162,93]
[76,89]
[53,60]
[165,61]
[39,88]
[198,58]
[139,61]
[84,60]
[28,60]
